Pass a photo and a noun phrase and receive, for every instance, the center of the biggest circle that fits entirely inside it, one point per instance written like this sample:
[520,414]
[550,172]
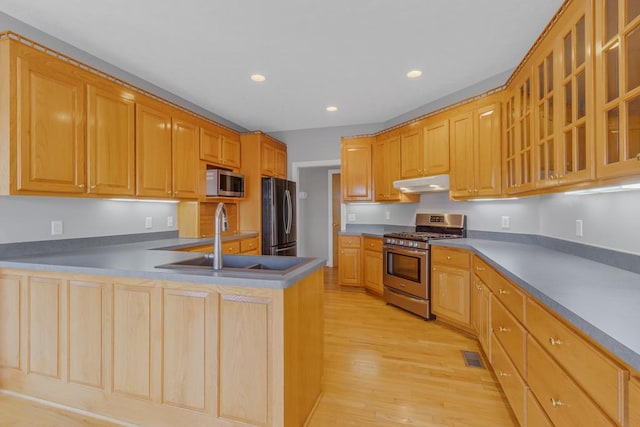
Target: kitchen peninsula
[105,331]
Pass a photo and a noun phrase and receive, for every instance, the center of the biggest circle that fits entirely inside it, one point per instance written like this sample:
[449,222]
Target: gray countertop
[599,300]
[140,260]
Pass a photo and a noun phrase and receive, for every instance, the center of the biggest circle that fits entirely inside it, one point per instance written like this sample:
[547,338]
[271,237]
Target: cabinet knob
[502,374]
[478,288]
[448,257]
[555,402]
[554,341]
[81,186]
[503,329]
[93,187]
[502,292]
[479,269]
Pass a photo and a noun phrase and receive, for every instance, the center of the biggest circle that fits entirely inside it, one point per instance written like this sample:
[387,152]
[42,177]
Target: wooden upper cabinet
[563,101]
[110,141]
[411,152]
[185,145]
[220,147]
[435,147]
[617,116]
[356,169]
[281,163]
[475,152]
[518,148]
[386,167]
[273,159]
[50,123]
[153,151]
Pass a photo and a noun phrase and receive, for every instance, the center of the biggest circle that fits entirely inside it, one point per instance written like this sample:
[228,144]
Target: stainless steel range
[407,260]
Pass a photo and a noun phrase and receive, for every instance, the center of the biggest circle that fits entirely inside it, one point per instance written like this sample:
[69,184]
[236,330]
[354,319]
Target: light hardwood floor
[383,367]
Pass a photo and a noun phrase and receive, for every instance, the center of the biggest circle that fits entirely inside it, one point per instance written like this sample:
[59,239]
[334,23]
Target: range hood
[427,184]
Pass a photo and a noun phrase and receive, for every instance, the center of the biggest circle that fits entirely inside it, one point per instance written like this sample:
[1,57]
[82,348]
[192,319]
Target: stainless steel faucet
[221,223]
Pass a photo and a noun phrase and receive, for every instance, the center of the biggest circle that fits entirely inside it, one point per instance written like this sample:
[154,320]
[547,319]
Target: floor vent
[472,359]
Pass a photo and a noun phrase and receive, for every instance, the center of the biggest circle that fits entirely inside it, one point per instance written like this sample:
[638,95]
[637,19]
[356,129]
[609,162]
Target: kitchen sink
[265,264]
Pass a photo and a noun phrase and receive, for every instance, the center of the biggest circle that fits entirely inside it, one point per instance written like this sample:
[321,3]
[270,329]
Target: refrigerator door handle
[287,195]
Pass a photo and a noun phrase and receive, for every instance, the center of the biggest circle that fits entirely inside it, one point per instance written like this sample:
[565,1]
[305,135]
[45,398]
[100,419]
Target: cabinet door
[386,168]
[153,152]
[634,402]
[373,271]
[349,262]
[411,154]
[462,174]
[268,159]
[230,154]
[618,105]
[281,163]
[546,122]
[110,142]
[450,293]
[356,170]
[487,159]
[185,144]
[480,320]
[210,145]
[51,145]
[518,149]
[435,148]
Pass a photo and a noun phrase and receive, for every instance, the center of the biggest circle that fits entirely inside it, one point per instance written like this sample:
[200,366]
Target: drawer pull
[554,341]
[555,403]
[503,374]
[478,288]
[502,292]
[503,329]
[480,269]
[448,257]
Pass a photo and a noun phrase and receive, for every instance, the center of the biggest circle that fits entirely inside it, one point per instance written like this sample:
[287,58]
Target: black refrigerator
[279,217]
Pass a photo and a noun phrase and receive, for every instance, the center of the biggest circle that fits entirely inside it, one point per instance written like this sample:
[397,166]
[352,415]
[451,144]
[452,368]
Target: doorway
[336,213]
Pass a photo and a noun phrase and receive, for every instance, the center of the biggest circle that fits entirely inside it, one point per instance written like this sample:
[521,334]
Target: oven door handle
[403,251]
[411,297]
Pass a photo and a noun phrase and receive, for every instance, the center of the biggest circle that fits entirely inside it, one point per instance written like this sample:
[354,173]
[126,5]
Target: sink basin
[265,264]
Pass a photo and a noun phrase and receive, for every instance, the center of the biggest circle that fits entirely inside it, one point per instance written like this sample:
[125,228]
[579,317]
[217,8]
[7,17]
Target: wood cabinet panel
[563,401]
[153,152]
[435,155]
[356,169]
[450,256]
[512,383]
[248,245]
[185,145]
[232,247]
[462,156]
[450,293]
[587,366]
[481,313]
[487,158]
[281,163]
[350,241]
[536,417]
[386,167]
[511,335]
[372,244]
[372,264]
[244,359]
[267,159]
[230,152]
[508,294]
[110,141]
[85,342]
[210,145]
[634,402]
[187,347]
[132,351]
[10,291]
[411,152]
[349,260]
[44,327]
[51,143]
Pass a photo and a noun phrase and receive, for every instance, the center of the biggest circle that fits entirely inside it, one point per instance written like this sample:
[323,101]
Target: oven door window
[404,266]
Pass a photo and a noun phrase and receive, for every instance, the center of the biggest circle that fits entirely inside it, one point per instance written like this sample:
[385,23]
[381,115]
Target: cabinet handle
[448,257]
[93,187]
[554,341]
[555,403]
[478,288]
[503,329]
[502,292]
[81,186]
[503,374]
[470,190]
[480,269]
[434,269]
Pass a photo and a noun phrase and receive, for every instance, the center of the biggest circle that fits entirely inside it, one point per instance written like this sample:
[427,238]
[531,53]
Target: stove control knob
[415,244]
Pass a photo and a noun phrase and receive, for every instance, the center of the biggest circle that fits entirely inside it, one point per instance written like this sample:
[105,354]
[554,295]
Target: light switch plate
[506,222]
[579,230]
[56,228]
[170,221]
[148,222]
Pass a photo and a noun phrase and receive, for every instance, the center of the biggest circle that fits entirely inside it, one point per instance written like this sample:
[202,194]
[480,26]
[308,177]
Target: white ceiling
[350,53]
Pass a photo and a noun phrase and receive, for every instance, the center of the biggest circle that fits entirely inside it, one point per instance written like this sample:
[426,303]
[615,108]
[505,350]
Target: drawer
[483,270]
[449,256]
[511,335]
[562,399]
[201,248]
[232,247]
[596,373]
[634,402]
[512,384]
[536,416]
[247,245]
[349,241]
[372,244]
[509,294]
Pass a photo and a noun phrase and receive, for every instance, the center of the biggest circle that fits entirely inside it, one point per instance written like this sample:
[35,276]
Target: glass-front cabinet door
[517,146]
[618,69]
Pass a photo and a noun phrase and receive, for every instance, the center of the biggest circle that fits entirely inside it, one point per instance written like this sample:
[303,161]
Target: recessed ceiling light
[413,74]
[258,78]
[332,108]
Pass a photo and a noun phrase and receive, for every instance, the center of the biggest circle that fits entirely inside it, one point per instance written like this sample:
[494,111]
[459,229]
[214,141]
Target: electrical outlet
[351,217]
[506,222]
[579,230]
[148,222]
[56,228]
[387,215]
[170,221]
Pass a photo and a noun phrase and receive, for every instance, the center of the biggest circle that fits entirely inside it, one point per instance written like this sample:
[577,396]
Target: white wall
[27,218]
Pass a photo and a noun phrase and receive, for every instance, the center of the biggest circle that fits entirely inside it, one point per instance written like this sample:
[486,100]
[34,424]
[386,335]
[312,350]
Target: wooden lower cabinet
[481,314]
[349,260]
[536,417]
[450,285]
[372,264]
[163,353]
[510,380]
[510,333]
[634,402]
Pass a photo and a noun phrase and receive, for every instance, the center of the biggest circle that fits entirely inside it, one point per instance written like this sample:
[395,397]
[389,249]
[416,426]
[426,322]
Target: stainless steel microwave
[223,183]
